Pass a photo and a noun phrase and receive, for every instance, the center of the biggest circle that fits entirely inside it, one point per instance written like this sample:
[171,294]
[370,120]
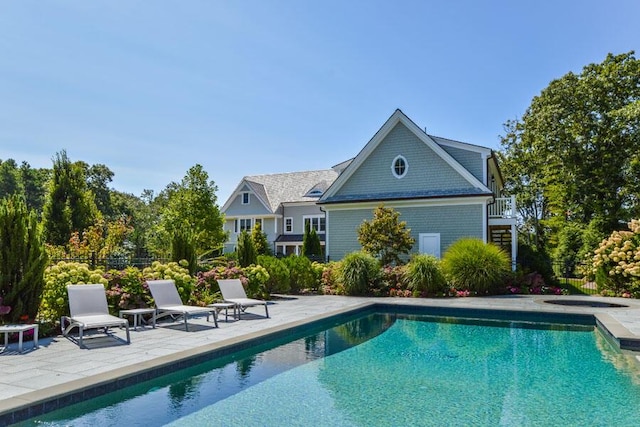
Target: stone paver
[60,364]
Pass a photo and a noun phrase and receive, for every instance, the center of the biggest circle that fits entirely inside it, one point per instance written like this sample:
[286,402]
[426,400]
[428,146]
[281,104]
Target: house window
[245,198]
[288,225]
[243,224]
[316,222]
[257,221]
[399,167]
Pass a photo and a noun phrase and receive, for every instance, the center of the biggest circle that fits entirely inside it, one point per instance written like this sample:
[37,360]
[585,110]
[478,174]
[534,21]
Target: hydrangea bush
[55,301]
[616,262]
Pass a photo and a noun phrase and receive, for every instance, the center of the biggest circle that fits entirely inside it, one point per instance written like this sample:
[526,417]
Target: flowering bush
[206,290]
[329,281]
[127,289]
[616,262]
[55,301]
[172,271]
[393,281]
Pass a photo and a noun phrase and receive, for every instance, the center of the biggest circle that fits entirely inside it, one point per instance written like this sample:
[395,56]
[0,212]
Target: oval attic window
[399,167]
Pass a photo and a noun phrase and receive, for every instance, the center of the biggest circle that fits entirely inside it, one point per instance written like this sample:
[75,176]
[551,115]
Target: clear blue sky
[150,88]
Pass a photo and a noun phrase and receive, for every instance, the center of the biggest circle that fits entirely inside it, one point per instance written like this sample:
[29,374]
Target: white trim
[399,117]
[476,200]
[393,166]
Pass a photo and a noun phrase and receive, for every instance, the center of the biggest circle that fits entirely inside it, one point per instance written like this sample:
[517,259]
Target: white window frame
[288,229]
[247,196]
[316,226]
[245,221]
[393,166]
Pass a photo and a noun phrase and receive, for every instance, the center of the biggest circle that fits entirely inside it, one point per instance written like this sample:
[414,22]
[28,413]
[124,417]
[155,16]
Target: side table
[20,329]
[137,316]
[219,306]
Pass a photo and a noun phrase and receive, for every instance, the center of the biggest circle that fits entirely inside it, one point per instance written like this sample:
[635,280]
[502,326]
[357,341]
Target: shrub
[301,273]
[206,290]
[360,273]
[127,289]
[172,271]
[183,247]
[22,259]
[424,275]
[470,264]
[279,276]
[394,281]
[330,279]
[616,262]
[55,300]
[257,276]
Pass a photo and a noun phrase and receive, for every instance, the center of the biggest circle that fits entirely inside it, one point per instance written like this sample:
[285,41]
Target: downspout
[326,234]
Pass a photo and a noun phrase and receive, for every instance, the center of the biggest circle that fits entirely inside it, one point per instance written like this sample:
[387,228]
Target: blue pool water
[383,370]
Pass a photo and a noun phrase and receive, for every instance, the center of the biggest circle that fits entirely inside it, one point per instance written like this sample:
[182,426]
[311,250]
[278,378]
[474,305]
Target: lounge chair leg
[186,325]
[80,331]
[128,336]
[266,309]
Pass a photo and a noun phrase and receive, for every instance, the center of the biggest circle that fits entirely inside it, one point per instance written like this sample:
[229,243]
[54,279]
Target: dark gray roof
[407,195]
[279,188]
[284,238]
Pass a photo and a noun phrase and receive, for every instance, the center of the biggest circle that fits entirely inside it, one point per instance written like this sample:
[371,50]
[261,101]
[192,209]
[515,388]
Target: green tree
[9,178]
[34,182]
[260,241]
[574,156]
[192,204]
[183,247]
[69,204]
[22,259]
[246,250]
[98,178]
[385,236]
[311,246]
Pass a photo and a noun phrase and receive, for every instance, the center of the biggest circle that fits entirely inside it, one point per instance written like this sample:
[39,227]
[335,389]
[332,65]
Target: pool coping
[38,402]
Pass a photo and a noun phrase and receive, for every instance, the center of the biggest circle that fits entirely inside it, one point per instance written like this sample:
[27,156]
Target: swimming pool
[391,369]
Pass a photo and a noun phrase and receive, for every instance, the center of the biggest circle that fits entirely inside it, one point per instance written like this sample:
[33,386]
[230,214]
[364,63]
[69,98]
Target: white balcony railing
[504,207]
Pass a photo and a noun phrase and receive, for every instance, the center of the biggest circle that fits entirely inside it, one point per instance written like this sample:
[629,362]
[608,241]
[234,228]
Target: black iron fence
[570,276]
[115,262]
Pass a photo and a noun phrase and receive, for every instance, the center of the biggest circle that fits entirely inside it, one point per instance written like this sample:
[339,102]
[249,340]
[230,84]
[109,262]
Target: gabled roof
[274,189]
[399,117]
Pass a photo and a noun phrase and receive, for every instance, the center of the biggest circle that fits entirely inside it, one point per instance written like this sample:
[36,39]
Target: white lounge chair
[233,291]
[168,302]
[89,310]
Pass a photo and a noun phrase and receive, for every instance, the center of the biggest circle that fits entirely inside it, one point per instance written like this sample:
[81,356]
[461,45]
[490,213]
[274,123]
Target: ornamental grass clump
[616,262]
[360,273]
[472,265]
[424,275]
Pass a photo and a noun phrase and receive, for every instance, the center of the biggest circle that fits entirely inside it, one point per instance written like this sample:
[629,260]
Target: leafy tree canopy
[385,236]
[192,204]
[574,156]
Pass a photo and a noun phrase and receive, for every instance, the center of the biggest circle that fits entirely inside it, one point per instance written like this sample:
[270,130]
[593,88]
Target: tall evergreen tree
[246,250]
[22,259]
[69,205]
[311,246]
[260,241]
[183,247]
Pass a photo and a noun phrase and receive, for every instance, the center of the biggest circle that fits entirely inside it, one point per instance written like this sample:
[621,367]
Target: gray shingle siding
[452,222]
[472,161]
[253,208]
[427,170]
